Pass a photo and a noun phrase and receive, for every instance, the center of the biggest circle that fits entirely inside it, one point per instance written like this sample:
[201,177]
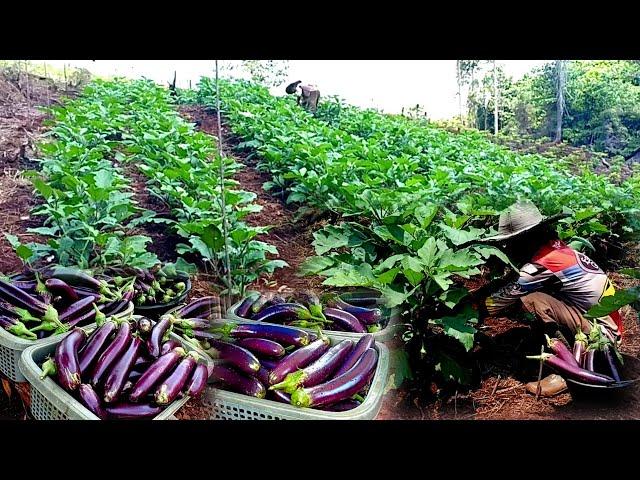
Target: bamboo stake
[539,388]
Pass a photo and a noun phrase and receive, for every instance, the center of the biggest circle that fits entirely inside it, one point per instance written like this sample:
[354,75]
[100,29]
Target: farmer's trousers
[310,99]
[551,310]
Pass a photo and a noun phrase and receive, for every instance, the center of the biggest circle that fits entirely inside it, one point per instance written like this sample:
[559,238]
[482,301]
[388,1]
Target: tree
[268,72]
[561,85]
[495,99]
[465,70]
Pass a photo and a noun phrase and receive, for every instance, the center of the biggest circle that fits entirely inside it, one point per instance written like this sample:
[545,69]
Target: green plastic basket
[11,347]
[226,405]
[49,401]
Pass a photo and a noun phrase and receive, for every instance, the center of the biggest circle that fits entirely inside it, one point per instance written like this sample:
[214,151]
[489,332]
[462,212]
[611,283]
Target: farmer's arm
[532,277]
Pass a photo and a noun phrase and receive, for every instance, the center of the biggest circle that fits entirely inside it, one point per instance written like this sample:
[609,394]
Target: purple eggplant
[21,299]
[133,411]
[85,292]
[198,381]
[367,316]
[66,358]
[63,289]
[268,363]
[76,309]
[318,371]
[237,382]
[587,360]
[340,388]
[120,371]
[281,334]
[260,302]
[243,308]
[262,375]
[199,307]
[95,345]
[17,328]
[579,347]
[345,320]
[279,396]
[311,300]
[112,353]
[360,299]
[75,278]
[157,334]
[192,323]
[612,363]
[366,342]
[172,385]
[283,312]
[570,370]
[89,398]
[558,347]
[298,359]
[343,406]
[168,346]
[237,356]
[262,347]
[156,372]
[83,318]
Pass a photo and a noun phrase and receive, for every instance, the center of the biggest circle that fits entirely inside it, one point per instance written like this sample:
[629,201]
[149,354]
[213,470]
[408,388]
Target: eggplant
[262,375]
[171,386]
[256,306]
[360,299]
[21,299]
[85,292]
[95,345]
[343,406]
[75,278]
[62,289]
[144,326]
[279,396]
[169,345]
[318,371]
[237,356]
[66,358]
[312,302]
[200,306]
[340,388]
[570,370]
[156,372]
[86,317]
[237,382]
[132,411]
[157,334]
[275,299]
[281,334]
[17,328]
[76,309]
[48,368]
[298,359]
[120,371]
[262,347]
[579,347]
[367,316]
[283,312]
[558,347]
[89,398]
[7,310]
[192,323]
[268,363]
[198,381]
[366,342]
[587,360]
[345,320]
[112,353]
[243,308]
[612,363]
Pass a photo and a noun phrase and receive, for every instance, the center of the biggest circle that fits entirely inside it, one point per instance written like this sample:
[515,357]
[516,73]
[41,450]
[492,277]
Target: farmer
[557,285]
[308,95]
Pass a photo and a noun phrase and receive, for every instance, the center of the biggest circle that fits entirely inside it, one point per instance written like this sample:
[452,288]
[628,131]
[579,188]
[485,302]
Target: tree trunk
[459,88]
[560,102]
[495,99]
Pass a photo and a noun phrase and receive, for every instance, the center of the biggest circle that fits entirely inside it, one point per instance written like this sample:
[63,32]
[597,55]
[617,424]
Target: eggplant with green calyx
[279,333]
[579,346]
[66,359]
[283,312]
[612,363]
[365,343]
[63,289]
[244,308]
[111,354]
[198,380]
[48,368]
[570,370]
[156,372]
[191,323]
[298,359]
[237,356]
[367,316]
[237,382]
[318,371]
[154,343]
[120,371]
[19,298]
[260,302]
[262,347]
[17,328]
[95,345]
[345,320]
[76,309]
[558,347]
[340,388]
[199,307]
[173,385]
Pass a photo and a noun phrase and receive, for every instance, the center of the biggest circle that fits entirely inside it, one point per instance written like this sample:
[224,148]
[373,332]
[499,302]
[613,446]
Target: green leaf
[399,363]
[425,214]
[631,272]
[104,179]
[47,231]
[24,252]
[452,297]
[183,266]
[388,276]
[611,303]
[315,265]
[330,238]
[13,240]
[393,296]
[443,280]
[427,252]
[486,251]
[42,187]
[458,237]
[457,327]
[451,370]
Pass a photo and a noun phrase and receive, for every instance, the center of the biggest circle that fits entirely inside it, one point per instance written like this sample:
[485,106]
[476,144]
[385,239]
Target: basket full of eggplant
[346,315]
[121,369]
[35,305]
[592,364]
[284,372]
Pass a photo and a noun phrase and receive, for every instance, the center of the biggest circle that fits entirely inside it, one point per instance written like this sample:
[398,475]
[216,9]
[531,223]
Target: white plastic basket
[11,347]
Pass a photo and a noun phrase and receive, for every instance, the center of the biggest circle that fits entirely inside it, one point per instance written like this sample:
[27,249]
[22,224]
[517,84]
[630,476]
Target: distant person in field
[557,284]
[308,95]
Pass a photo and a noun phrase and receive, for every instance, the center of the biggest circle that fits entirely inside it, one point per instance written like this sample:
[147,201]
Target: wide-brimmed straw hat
[520,218]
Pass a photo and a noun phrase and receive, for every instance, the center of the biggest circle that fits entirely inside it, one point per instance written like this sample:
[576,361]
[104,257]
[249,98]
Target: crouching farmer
[557,284]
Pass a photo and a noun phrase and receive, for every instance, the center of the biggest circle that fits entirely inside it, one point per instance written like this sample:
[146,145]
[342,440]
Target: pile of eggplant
[578,364]
[37,304]
[157,286]
[126,369]
[289,365]
[305,309]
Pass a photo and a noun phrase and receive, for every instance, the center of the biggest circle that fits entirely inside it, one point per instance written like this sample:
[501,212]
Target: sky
[388,85]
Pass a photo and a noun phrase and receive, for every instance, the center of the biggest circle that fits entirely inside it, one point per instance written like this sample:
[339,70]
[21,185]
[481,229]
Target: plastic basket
[226,405]
[386,334]
[49,401]
[11,347]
